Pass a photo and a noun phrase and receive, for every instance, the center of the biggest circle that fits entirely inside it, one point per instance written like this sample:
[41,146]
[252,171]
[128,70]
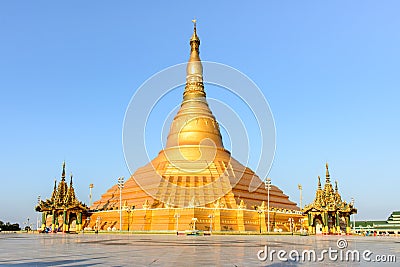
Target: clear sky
[330,71]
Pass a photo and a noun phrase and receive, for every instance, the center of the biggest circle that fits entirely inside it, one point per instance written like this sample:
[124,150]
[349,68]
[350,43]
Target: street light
[354,216]
[120,186]
[300,187]
[37,216]
[90,194]
[268,187]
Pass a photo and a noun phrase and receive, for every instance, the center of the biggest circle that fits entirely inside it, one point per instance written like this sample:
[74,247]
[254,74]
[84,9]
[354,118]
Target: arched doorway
[318,225]
[72,223]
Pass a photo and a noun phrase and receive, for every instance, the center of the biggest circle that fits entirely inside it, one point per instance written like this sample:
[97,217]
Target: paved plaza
[172,250]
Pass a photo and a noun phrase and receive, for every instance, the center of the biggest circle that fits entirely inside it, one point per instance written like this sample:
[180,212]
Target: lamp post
[300,187]
[90,194]
[211,218]
[268,187]
[354,216]
[120,186]
[37,217]
[176,216]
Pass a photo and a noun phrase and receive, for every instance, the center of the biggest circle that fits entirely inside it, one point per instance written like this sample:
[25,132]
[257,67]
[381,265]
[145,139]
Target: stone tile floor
[171,250]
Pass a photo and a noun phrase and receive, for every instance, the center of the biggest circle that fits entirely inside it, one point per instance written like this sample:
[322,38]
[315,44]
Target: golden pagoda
[328,214]
[194,182]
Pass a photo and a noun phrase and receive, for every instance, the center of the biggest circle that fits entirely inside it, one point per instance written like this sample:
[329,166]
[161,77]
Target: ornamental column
[79,222]
[348,228]
[64,228]
[310,222]
[44,217]
[326,227]
[337,222]
[56,221]
[53,221]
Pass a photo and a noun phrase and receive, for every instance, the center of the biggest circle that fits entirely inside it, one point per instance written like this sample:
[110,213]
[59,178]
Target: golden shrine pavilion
[328,214]
[195,183]
[63,211]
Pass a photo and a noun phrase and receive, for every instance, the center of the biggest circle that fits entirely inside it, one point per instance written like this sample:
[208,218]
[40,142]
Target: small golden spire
[336,186]
[194,36]
[63,171]
[194,24]
[194,70]
[194,40]
[328,180]
[319,182]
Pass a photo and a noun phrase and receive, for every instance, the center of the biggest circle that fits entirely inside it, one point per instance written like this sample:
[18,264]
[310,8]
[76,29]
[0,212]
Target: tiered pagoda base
[205,219]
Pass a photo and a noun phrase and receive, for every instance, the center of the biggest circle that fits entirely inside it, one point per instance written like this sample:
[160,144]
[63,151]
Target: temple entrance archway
[72,223]
[318,224]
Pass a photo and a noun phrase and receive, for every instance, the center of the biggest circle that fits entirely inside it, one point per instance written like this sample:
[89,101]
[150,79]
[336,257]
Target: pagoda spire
[62,188]
[63,172]
[194,71]
[194,124]
[54,194]
[319,183]
[336,187]
[70,197]
[70,183]
[328,179]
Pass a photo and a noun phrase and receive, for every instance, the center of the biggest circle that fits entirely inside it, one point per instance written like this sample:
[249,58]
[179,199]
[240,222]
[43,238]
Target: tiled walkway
[172,250]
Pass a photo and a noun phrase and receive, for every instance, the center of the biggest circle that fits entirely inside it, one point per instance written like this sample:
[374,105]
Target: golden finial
[63,171]
[319,182]
[327,174]
[194,36]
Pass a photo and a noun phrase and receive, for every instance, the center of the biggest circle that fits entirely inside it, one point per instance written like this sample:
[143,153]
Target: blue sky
[330,71]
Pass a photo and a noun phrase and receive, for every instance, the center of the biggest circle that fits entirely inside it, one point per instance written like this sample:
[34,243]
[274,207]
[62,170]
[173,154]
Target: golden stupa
[194,182]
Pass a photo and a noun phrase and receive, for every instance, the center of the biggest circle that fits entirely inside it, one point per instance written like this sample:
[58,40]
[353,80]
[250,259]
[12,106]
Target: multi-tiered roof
[329,199]
[62,198]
